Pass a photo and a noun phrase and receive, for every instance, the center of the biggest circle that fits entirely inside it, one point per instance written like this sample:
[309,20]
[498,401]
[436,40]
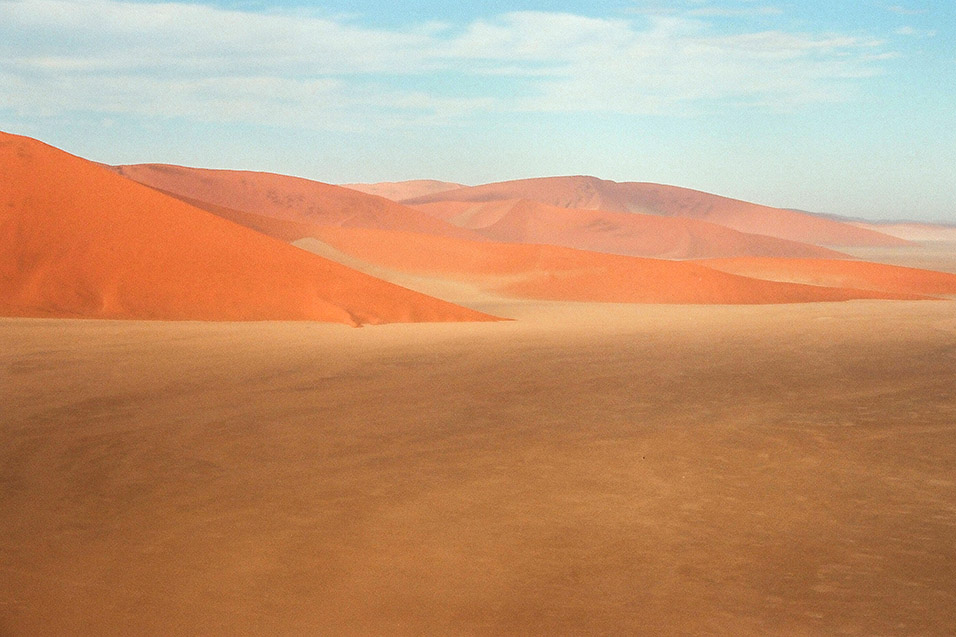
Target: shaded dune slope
[634,234]
[670,201]
[289,198]
[557,273]
[77,240]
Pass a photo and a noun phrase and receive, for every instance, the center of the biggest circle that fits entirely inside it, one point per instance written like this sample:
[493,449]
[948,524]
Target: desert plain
[721,432]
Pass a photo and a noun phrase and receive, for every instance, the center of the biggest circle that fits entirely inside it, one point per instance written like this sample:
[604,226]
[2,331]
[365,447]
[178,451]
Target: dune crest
[78,240]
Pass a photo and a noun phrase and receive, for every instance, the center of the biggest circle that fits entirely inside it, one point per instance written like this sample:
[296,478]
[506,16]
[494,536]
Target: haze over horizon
[836,107]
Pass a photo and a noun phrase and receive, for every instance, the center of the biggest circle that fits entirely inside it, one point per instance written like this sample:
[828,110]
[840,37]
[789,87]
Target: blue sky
[838,107]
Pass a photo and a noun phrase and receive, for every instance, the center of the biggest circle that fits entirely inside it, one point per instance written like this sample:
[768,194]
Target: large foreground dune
[79,240]
[635,234]
[670,201]
[584,470]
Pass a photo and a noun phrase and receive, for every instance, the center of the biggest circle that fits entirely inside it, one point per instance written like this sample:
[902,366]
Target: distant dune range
[634,234]
[590,193]
[542,271]
[478,243]
[77,240]
[512,221]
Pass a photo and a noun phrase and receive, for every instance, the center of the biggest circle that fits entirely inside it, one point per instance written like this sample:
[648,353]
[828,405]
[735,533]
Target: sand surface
[586,469]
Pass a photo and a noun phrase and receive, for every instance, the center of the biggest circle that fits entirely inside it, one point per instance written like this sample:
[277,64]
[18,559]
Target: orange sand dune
[837,273]
[290,198]
[398,190]
[670,201]
[79,240]
[556,273]
[634,234]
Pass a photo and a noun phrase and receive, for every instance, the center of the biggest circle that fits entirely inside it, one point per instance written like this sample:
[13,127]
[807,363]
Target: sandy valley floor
[585,469]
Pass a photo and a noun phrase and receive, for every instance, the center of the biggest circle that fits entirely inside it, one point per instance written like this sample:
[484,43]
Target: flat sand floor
[586,469]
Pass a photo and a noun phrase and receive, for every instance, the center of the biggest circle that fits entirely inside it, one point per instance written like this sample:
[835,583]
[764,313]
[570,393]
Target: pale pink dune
[913,231]
[591,193]
[398,190]
[78,240]
[290,198]
[633,234]
[837,273]
[557,273]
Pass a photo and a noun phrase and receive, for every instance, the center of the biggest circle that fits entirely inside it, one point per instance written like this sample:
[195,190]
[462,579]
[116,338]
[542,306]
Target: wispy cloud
[901,10]
[735,12]
[207,63]
[916,33]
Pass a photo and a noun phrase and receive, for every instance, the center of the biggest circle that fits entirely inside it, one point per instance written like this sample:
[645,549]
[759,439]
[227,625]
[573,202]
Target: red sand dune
[556,273]
[634,234]
[837,273]
[290,198]
[398,190]
[597,194]
[78,240]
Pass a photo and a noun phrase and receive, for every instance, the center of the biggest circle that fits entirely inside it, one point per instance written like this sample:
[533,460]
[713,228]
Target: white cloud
[916,33]
[725,12]
[206,63]
[901,10]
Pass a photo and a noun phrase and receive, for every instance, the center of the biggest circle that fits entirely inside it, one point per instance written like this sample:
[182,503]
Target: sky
[841,107]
